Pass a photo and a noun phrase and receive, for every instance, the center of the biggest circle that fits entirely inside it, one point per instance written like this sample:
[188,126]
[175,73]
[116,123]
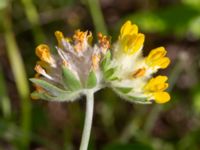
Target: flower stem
[88,120]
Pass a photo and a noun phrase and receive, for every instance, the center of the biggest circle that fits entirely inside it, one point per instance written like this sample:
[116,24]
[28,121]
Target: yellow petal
[138,43]
[128,29]
[162,63]
[156,84]
[104,42]
[132,43]
[161,97]
[59,36]
[158,79]
[161,87]
[79,39]
[43,52]
[79,35]
[157,53]
[155,57]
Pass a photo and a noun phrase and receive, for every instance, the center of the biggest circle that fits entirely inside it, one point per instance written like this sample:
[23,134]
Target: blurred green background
[27,124]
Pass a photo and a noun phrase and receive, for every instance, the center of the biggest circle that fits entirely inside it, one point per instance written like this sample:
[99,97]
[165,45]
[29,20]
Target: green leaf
[113,78]
[124,90]
[109,73]
[70,79]
[105,62]
[92,80]
[48,86]
[68,96]
[139,100]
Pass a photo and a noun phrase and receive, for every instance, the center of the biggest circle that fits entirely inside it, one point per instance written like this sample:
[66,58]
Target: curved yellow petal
[132,43]
[104,42]
[162,63]
[157,84]
[128,29]
[157,53]
[161,97]
[59,36]
[138,43]
[156,58]
[43,52]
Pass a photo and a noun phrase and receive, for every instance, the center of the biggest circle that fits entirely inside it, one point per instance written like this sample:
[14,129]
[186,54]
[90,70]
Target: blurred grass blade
[176,19]
[97,16]
[33,18]
[19,73]
[4,99]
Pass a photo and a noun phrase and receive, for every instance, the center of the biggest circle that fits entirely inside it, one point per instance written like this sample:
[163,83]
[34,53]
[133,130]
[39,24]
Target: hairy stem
[88,121]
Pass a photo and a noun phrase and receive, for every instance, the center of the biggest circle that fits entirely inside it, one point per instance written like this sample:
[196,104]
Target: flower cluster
[81,66]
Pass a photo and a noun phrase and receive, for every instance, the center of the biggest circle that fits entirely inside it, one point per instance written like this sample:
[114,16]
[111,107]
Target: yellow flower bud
[156,58]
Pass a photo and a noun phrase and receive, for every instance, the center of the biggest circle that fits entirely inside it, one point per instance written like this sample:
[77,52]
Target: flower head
[131,75]
[80,66]
[73,71]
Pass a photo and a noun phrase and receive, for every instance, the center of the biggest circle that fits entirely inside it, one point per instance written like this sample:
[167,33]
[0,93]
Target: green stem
[33,18]
[97,16]
[19,73]
[88,120]
[5,101]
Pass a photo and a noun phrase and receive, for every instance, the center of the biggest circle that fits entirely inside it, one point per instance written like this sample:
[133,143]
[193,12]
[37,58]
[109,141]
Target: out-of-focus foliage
[136,146]
[3,4]
[179,20]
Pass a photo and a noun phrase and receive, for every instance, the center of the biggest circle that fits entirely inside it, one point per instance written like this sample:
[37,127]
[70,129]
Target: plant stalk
[20,77]
[97,16]
[88,120]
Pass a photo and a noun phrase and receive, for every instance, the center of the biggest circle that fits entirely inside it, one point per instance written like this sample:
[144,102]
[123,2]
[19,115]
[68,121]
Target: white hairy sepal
[125,62]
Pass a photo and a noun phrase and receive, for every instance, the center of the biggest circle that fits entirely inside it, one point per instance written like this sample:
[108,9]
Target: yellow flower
[81,39]
[80,65]
[43,52]
[156,86]
[129,73]
[157,59]
[104,42]
[130,40]
[73,70]
[128,29]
